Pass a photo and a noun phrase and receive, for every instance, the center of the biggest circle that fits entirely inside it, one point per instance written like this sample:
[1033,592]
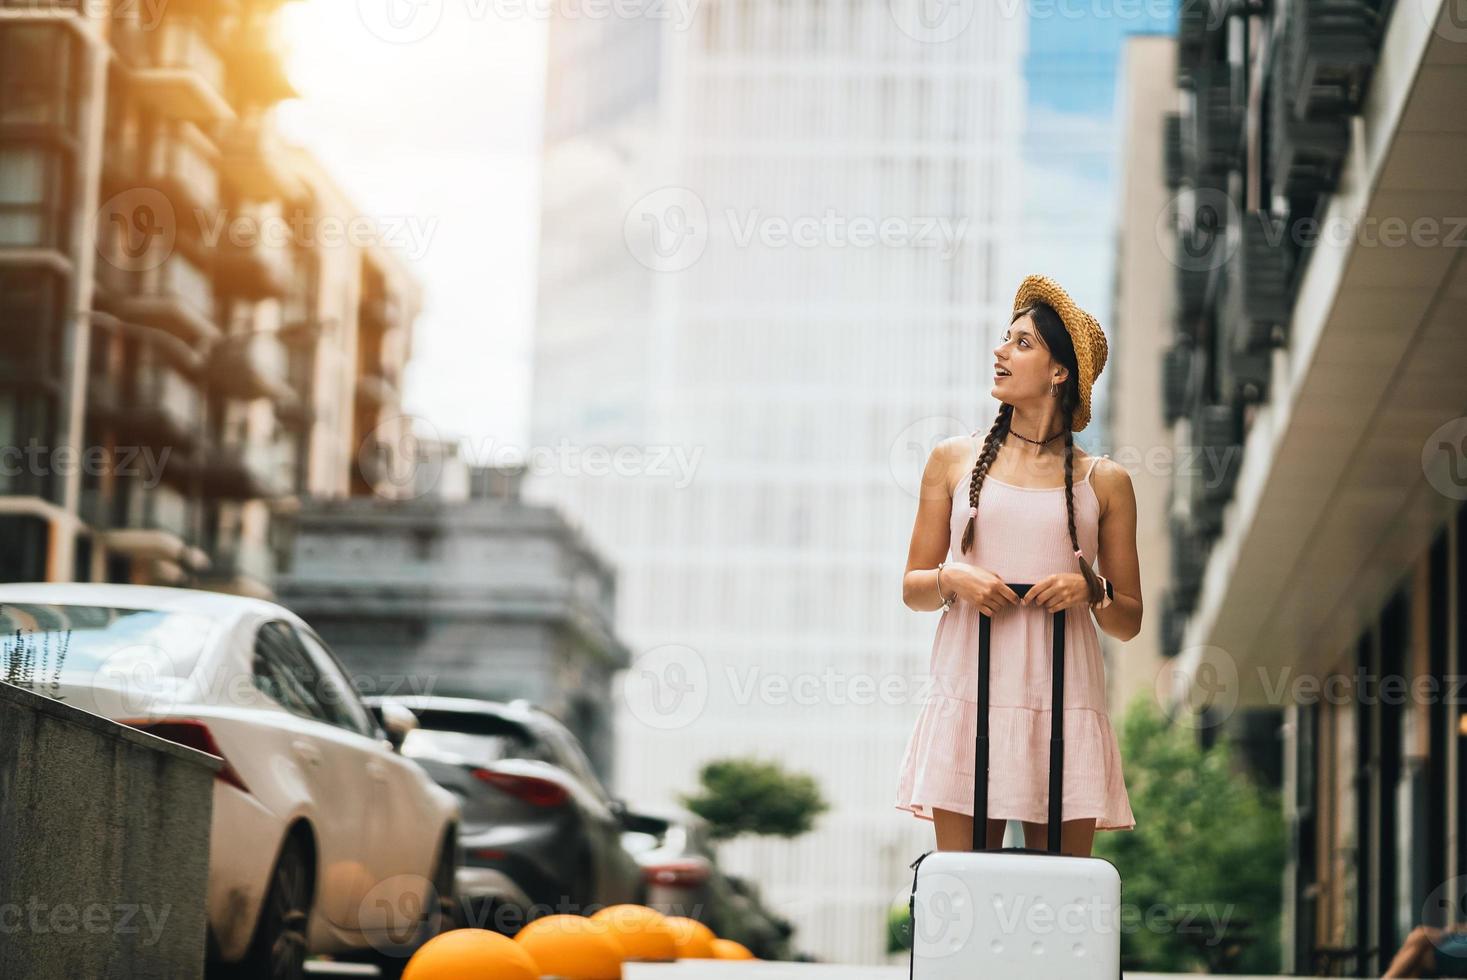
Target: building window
[40,76]
[32,197]
[24,543]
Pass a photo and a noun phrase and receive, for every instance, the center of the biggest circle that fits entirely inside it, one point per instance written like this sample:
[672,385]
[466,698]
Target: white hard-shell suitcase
[1015,913]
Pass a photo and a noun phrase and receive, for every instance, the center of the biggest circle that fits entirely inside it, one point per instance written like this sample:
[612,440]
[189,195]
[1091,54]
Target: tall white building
[772,271]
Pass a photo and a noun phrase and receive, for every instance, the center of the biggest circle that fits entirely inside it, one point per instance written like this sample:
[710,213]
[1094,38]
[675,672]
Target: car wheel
[278,951]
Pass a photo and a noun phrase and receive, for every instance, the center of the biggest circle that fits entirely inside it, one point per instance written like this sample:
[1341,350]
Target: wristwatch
[1110,594]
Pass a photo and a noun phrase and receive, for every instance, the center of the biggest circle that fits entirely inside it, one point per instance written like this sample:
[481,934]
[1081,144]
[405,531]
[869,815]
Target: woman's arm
[1118,560]
[932,532]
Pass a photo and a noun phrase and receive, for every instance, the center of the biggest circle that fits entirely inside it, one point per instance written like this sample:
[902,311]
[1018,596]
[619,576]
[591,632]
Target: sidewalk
[716,970]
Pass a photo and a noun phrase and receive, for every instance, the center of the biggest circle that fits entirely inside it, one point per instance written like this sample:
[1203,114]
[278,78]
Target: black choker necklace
[1037,442]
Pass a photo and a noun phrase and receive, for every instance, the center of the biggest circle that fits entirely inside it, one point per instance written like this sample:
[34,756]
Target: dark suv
[539,832]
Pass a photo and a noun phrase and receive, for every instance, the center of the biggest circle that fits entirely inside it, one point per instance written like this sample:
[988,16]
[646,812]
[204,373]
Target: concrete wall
[104,846]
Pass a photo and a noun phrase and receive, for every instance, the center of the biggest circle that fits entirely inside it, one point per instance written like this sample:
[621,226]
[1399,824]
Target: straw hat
[1091,348]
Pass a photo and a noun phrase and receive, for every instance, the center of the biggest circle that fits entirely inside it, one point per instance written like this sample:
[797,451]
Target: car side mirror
[397,721]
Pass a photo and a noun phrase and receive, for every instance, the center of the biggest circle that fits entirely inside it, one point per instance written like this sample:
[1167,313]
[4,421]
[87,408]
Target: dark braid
[1097,591]
[996,432]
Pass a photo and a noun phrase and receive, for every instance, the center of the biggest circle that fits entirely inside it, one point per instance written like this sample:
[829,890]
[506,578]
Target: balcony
[183,76]
[1258,297]
[249,366]
[381,312]
[1306,153]
[296,411]
[178,297]
[1218,117]
[1176,379]
[1331,48]
[255,163]
[42,88]
[245,472]
[1173,624]
[256,60]
[1209,481]
[1195,28]
[1174,161]
[377,388]
[183,165]
[148,523]
[159,405]
[129,39]
[242,566]
[253,270]
[1189,559]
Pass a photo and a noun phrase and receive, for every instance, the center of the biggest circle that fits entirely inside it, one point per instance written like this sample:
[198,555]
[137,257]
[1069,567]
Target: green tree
[750,796]
[1206,856]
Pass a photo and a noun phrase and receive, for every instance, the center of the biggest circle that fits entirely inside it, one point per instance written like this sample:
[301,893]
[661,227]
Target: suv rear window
[476,738]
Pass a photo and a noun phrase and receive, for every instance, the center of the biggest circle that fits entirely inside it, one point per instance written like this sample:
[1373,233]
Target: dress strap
[1094,463]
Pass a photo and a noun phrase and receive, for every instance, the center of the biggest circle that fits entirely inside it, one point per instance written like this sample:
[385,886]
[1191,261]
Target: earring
[1053,390]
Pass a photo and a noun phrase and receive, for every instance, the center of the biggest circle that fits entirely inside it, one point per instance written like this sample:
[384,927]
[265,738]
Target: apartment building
[466,590]
[1312,382]
[183,352]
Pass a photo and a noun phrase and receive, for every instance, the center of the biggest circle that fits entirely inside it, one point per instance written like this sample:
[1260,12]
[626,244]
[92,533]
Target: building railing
[1238,268]
[182,44]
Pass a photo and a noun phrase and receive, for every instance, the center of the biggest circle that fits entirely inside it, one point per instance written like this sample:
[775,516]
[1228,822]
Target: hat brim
[1088,339]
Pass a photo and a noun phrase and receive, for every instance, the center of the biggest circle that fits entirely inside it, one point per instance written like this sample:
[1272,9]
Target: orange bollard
[642,932]
[471,954]
[693,939]
[573,947]
[727,949]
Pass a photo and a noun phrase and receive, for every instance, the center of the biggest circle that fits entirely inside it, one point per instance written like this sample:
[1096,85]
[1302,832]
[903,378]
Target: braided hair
[1052,329]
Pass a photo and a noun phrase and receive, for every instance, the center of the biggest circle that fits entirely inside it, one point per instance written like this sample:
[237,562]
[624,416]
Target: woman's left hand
[1056,592]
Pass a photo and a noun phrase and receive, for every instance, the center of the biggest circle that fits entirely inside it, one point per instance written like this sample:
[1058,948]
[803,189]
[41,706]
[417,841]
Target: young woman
[1034,509]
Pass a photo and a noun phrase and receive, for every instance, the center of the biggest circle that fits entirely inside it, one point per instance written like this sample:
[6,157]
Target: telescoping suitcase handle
[1056,731]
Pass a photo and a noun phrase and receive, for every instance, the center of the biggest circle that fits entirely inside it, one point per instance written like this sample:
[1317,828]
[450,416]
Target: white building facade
[772,271]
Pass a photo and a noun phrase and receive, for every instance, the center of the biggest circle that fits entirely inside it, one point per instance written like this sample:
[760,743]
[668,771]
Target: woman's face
[1022,367]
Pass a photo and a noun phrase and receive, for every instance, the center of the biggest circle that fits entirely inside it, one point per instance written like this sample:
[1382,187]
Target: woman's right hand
[977,585]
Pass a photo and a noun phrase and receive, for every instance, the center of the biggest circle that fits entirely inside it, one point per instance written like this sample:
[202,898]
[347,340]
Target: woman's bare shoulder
[1111,480]
[957,455]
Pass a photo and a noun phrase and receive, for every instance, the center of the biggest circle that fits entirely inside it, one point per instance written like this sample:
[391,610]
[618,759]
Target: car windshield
[41,643]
